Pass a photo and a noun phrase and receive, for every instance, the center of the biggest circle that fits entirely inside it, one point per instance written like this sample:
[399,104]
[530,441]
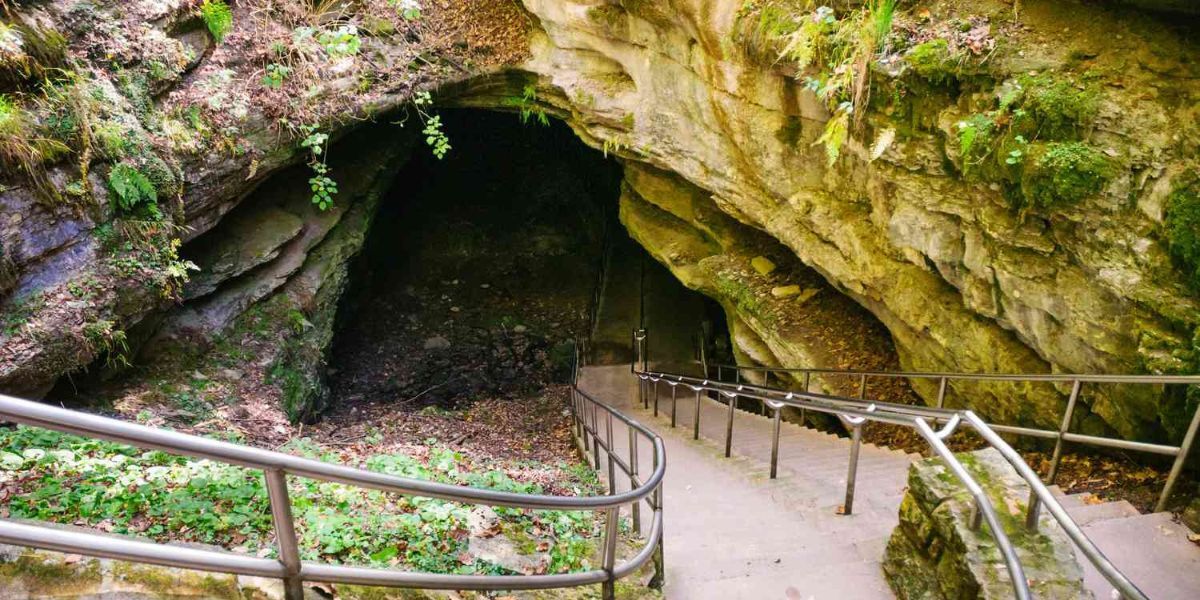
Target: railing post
[612,471]
[729,425]
[862,387]
[595,437]
[633,471]
[696,417]
[660,569]
[1184,449]
[612,528]
[674,400]
[656,386]
[285,533]
[577,402]
[775,441]
[941,400]
[852,473]
[1068,416]
[803,412]
[1035,504]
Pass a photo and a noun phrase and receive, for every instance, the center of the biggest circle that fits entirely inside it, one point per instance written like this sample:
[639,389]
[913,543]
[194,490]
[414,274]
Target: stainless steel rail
[277,466]
[1062,435]
[856,412]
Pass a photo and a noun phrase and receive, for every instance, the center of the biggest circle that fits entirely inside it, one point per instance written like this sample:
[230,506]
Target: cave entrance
[482,269]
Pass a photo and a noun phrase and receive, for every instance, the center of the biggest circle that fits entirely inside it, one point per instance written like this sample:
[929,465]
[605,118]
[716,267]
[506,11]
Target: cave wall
[961,280]
[724,167]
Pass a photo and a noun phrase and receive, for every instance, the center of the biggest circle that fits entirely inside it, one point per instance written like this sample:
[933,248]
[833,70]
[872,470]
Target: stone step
[1093,513]
[1152,550]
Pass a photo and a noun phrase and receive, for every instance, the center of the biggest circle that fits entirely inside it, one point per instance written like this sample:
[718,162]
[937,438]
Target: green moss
[45,574]
[1183,228]
[932,62]
[1063,173]
[170,581]
[1059,107]
[609,15]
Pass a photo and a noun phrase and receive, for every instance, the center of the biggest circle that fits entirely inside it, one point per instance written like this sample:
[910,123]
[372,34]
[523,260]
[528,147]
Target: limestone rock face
[725,161]
[933,553]
[961,280]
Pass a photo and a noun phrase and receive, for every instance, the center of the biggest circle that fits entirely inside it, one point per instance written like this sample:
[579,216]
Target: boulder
[934,554]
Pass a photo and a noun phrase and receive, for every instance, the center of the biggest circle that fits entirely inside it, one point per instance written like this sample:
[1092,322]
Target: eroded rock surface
[933,553]
[961,280]
[969,267]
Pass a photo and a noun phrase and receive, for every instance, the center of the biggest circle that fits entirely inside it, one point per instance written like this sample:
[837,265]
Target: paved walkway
[731,532]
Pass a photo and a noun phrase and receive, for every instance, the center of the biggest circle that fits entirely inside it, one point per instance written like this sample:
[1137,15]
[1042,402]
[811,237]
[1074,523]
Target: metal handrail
[276,466]
[859,411]
[1019,377]
[1062,435]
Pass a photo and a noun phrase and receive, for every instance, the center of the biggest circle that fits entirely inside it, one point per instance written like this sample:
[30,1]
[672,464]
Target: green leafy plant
[832,54]
[435,137]
[67,479]
[324,188]
[1016,156]
[341,42]
[217,17]
[133,192]
[528,107]
[274,75]
[105,339]
[410,10]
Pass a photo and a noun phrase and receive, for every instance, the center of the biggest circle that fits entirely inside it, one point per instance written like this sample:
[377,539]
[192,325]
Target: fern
[837,130]
[133,192]
[217,17]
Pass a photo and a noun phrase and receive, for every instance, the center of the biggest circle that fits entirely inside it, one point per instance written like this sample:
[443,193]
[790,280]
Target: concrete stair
[1153,549]
[783,538]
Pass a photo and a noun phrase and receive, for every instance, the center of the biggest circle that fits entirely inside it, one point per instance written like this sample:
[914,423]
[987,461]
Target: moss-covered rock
[934,554]
[1063,173]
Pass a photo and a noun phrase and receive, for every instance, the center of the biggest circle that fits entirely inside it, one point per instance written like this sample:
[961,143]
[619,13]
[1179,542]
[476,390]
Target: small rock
[763,265]
[520,329]
[231,374]
[437,342]
[454,309]
[785,291]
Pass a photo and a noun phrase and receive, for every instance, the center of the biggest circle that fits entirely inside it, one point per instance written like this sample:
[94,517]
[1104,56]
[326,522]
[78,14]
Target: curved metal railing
[855,413]
[1061,436]
[277,466]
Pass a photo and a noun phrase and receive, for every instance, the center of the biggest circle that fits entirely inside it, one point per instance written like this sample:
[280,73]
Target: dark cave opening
[481,270]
